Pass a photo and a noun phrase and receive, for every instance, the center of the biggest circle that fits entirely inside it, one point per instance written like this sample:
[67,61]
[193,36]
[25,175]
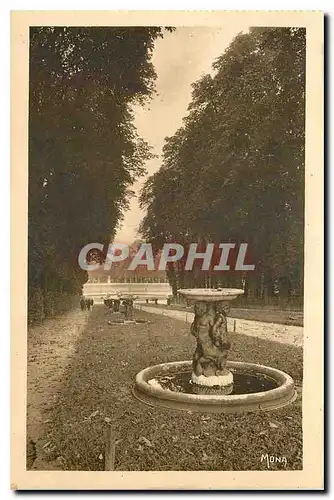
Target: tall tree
[84,151]
[235,170]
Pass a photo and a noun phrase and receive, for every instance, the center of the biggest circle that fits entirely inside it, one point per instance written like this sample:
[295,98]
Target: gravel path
[50,347]
[284,334]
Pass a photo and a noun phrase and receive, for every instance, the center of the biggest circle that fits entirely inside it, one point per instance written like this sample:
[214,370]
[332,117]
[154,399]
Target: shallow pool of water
[243,383]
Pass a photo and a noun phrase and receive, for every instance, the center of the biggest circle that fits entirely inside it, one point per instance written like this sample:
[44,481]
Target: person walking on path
[83,304]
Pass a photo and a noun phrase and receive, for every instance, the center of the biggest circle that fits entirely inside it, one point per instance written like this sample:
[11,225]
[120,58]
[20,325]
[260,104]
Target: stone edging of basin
[267,400]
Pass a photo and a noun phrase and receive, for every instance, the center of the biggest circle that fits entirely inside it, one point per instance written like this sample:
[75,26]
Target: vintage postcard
[167,288]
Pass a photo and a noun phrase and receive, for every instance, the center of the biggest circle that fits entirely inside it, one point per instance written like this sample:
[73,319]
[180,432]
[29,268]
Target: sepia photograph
[171,178]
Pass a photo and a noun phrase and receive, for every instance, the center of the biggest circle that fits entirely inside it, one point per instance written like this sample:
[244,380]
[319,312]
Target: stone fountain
[112,302]
[211,383]
[127,301]
[209,372]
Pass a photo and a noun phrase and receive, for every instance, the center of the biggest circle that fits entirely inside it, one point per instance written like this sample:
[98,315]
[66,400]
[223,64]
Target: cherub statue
[210,329]
[219,328]
[203,318]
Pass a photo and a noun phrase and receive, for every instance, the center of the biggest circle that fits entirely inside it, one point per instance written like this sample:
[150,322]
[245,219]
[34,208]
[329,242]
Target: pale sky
[180,58]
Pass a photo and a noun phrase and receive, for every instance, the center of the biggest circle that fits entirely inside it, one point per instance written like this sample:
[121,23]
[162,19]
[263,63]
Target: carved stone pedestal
[128,309]
[210,375]
[127,302]
[209,372]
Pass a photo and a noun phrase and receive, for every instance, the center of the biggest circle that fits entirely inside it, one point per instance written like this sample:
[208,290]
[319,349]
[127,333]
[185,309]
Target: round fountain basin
[211,294]
[256,387]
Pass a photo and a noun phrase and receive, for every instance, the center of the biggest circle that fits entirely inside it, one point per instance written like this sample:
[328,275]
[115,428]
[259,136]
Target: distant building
[145,284]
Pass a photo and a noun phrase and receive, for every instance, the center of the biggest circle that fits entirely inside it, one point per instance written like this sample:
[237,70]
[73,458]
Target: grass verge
[290,318]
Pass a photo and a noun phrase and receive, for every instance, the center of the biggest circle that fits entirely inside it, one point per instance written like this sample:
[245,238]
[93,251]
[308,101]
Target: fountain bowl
[127,296]
[112,297]
[154,394]
[210,294]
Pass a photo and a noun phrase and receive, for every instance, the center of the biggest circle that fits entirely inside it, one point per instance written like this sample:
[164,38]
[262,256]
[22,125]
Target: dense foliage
[235,170]
[84,152]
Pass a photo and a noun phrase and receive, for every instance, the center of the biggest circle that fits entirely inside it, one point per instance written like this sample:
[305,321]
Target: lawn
[96,392]
[292,318]
[282,317]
